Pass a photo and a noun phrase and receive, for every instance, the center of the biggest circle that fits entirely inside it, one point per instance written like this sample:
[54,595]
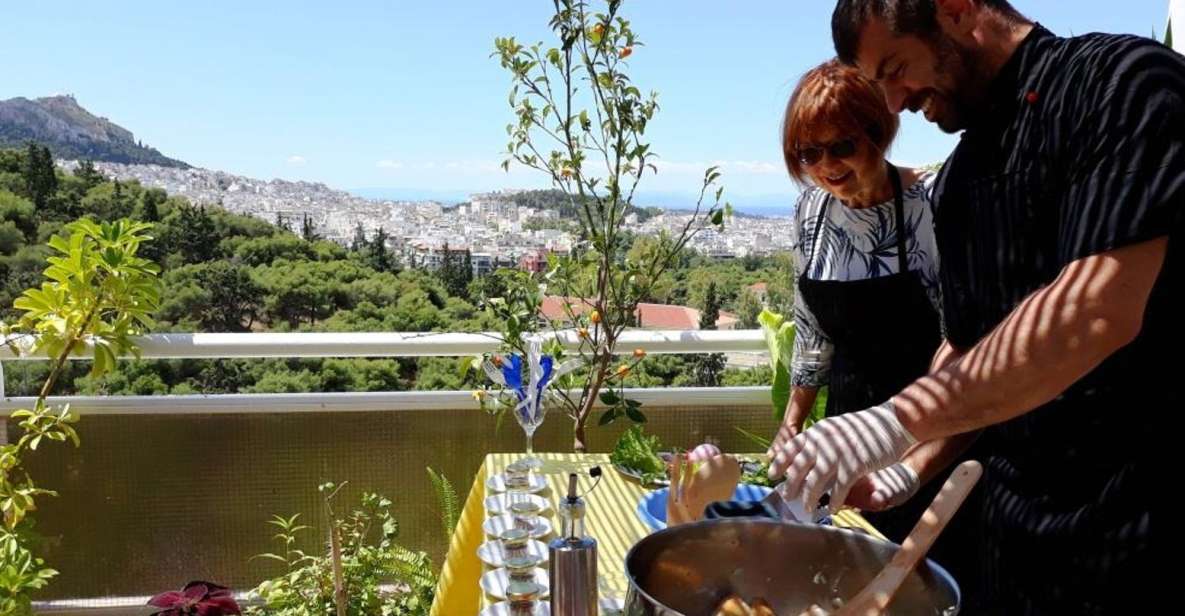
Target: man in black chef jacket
[1059,220]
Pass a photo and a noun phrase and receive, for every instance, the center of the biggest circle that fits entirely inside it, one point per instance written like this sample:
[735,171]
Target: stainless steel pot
[690,569]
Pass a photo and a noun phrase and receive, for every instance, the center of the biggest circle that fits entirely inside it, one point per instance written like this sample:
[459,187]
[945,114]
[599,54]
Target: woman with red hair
[867,304]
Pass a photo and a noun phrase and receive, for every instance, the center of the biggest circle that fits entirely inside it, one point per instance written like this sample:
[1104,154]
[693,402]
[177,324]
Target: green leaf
[635,415]
[780,392]
[638,451]
[718,217]
[779,339]
[609,397]
[760,441]
[465,364]
[608,417]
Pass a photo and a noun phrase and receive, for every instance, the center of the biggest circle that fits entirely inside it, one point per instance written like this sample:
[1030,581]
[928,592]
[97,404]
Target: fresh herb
[638,452]
[757,474]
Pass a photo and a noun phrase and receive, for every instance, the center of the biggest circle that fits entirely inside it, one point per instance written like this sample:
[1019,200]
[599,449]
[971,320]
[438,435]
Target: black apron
[885,332]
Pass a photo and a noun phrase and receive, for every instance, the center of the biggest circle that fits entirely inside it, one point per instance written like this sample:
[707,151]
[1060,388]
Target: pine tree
[711,309]
[456,271]
[87,173]
[380,257]
[748,308]
[41,180]
[308,230]
[444,272]
[197,237]
[709,367]
[150,204]
[358,244]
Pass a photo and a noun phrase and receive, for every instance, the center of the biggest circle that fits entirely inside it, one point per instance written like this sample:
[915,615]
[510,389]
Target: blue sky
[404,96]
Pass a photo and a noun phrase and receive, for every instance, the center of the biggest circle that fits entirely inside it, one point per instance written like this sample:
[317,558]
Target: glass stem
[530,450]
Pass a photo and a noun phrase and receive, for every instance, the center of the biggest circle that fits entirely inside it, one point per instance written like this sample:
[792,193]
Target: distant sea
[752,205]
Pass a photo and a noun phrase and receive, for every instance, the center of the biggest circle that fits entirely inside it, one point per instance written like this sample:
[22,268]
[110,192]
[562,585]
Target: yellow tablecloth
[612,519]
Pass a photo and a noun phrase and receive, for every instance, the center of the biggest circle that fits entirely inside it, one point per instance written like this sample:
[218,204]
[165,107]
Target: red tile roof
[653,316]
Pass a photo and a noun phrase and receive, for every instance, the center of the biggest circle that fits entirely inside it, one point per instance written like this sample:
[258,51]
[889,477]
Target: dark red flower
[196,599]
[1032,97]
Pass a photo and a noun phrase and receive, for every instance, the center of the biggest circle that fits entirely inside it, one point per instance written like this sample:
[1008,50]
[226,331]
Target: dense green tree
[342,374]
[308,230]
[217,296]
[230,272]
[227,224]
[223,376]
[663,291]
[760,376]
[150,202]
[41,179]
[21,212]
[196,238]
[709,366]
[266,250]
[286,382]
[456,271]
[483,288]
[11,238]
[23,270]
[358,243]
[379,256]
[87,173]
[748,307]
[108,201]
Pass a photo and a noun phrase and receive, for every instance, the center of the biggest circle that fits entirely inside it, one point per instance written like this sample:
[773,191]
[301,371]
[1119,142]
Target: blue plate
[653,507]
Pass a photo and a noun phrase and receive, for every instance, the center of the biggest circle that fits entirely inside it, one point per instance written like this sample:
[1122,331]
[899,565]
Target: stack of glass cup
[523,593]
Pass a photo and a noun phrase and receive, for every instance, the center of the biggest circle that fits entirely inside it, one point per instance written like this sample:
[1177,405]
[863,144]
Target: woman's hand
[798,408]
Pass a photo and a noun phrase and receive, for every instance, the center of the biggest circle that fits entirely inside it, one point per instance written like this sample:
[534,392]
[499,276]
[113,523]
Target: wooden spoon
[875,598]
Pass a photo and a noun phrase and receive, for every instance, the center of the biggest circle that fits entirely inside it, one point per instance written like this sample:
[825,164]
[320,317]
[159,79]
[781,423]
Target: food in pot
[733,605]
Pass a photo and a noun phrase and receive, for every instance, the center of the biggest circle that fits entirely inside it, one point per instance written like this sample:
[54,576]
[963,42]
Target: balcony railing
[173,487]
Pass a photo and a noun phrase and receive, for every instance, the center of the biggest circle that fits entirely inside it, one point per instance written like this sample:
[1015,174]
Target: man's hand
[838,451]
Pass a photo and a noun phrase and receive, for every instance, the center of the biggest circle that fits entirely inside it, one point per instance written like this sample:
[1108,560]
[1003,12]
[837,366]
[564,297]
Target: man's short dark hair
[917,17]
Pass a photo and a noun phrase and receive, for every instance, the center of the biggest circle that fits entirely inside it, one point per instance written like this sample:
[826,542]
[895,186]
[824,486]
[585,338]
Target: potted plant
[581,121]
[97,295]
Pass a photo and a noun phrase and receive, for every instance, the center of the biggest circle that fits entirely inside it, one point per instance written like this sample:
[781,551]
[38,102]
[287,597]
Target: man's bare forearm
[930,458]
[1053,338]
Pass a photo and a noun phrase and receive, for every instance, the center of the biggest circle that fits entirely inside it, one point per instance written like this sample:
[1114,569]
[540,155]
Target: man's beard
[965,83]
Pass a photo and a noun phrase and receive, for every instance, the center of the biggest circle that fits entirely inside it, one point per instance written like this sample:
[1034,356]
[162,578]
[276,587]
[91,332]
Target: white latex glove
[886,488]
[837,451]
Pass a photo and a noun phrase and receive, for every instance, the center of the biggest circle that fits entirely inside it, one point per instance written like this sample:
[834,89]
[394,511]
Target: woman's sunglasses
[842,148]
